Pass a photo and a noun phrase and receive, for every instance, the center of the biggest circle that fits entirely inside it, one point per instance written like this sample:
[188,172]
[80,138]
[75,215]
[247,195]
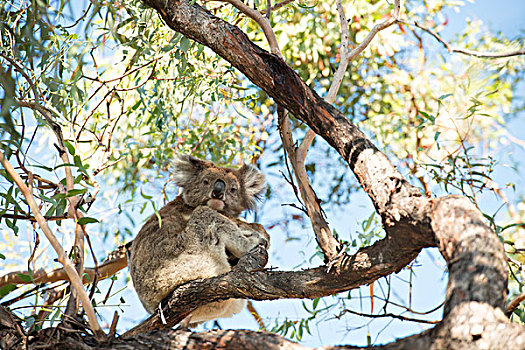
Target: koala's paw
[255,238]
[206,216]
[255,260]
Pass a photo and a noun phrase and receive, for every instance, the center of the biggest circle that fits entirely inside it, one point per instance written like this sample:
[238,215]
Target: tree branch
[262,21]
[367,265]
[62,256]
[514,304]
[388,315]
[105,270]
[326,241]
[490,55]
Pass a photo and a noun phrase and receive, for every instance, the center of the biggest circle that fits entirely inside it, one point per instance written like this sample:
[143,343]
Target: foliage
[128,94]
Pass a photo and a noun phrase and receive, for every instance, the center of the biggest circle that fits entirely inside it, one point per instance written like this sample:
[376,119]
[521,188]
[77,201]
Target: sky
[429,285]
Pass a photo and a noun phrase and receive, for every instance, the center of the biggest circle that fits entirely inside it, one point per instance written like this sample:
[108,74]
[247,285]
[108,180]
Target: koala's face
[226,190]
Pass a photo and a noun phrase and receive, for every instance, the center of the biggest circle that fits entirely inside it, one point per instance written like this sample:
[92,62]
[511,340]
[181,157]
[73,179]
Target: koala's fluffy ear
[186,167]
[254,183]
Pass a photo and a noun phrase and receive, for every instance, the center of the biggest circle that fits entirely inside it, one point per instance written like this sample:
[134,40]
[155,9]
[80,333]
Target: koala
[199,234]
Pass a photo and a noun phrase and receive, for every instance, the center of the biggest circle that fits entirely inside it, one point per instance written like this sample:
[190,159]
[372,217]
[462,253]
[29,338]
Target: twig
[256,316]
[115,263]
[32,218]
[343,54]
[399,317]
[62,256]
[479,54]
[113,328]
[376,29]
[262,21]
[514,304]
[276,6]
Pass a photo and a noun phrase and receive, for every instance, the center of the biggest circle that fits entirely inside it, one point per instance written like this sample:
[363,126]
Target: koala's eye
[206,182]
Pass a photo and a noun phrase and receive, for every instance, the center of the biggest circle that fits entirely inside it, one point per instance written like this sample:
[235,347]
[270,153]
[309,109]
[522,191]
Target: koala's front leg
[238,237]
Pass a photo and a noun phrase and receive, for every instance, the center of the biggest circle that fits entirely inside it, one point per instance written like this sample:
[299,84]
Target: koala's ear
[185,168]
[254,183]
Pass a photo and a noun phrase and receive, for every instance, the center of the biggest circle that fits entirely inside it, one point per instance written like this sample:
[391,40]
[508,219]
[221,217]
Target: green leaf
[145,196]
[86,220]
[25,278]
[6,290]
[76,192]
[70,147]
[58,196]
[184,44]
[442,97]
[316,301]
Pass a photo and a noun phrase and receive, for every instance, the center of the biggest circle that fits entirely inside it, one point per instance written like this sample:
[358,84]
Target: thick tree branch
[367,265]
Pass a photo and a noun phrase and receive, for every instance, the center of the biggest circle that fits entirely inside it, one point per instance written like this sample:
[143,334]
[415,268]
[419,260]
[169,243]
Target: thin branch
[390,315]
[262,21]
[327,242]
[509,309]
[336,81]
[376,29]
[48,116]
[256,316]
[276,6]
[62,256]
[73,201]
[329,245]
[320,225]
[115,262]
[480,54]
[343,54]
[32,218]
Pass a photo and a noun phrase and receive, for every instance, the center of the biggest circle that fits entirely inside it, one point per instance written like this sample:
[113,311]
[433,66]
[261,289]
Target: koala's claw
[161,313]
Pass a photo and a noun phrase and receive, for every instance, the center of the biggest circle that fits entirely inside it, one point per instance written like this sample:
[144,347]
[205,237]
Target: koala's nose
[218,189]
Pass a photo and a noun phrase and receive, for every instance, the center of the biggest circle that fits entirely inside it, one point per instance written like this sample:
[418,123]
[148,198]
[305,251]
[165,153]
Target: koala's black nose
[218,189]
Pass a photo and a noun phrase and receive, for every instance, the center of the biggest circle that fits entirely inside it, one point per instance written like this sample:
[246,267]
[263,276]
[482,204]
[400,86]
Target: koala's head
[229,191]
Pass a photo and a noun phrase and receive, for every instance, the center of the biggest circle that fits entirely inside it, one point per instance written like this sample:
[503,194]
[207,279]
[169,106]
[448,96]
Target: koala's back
[156,247]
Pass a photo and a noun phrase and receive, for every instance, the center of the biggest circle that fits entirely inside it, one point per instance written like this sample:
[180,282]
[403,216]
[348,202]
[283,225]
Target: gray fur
[197,237]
